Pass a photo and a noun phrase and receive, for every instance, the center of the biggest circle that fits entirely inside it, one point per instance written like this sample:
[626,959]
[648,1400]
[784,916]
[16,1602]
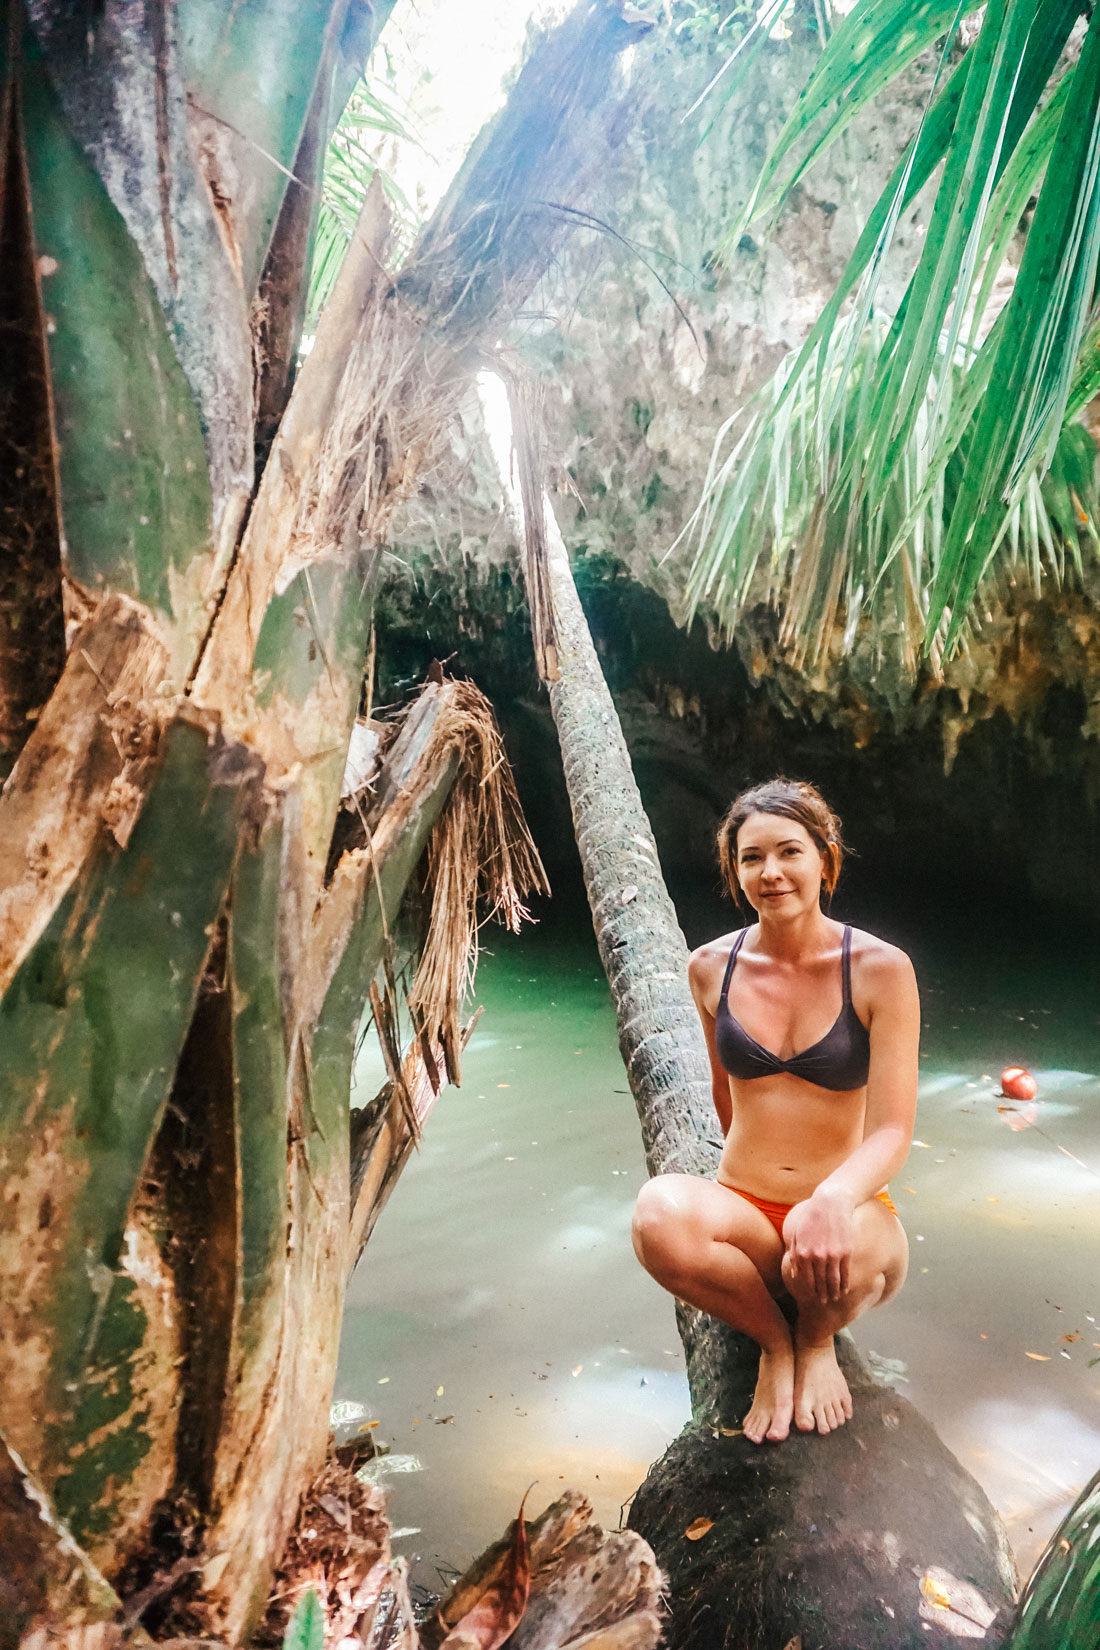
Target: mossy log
[872,1537]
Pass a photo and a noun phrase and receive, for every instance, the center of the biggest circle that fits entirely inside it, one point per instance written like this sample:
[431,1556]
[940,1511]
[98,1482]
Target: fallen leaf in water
[439,1392]
[1076,1336]
[696,1531]
[504,1085]
[1019,1117]
[578,1369]
[912,1189]
[441,1420]
[1040,1357]
[992,1200]
[383,1380]
[502,1600]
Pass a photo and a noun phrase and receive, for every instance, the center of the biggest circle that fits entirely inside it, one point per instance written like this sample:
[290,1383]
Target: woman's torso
[788,1131]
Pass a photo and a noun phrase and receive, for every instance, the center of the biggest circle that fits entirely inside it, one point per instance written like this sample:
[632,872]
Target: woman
[812,1031]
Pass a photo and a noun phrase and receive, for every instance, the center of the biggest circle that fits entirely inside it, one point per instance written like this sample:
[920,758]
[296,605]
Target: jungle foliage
[914,456]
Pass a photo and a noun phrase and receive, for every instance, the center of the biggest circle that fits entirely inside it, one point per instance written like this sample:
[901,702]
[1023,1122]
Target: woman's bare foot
[821,1396]
[773,1400]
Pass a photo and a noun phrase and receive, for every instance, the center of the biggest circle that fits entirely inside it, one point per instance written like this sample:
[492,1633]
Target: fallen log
[872,1537]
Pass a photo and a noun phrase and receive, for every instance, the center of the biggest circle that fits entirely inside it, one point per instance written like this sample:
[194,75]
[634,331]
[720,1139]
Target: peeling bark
[32,633]
[53,807]
[45,1576]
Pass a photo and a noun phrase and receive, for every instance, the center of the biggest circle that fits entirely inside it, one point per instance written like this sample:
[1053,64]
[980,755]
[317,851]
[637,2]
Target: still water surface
[501,1271]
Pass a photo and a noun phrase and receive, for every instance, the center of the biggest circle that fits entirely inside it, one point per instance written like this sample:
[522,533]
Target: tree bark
[183,969]
[874,1537]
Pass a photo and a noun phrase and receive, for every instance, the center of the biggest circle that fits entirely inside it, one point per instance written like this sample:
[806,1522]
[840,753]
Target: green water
[501,1271]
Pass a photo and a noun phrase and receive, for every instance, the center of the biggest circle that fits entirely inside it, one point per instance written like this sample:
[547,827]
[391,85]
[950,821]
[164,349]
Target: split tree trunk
[873,1537]
[182,969]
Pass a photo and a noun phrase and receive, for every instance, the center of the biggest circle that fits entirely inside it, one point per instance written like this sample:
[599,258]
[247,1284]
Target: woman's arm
[701,966]
[820,1234]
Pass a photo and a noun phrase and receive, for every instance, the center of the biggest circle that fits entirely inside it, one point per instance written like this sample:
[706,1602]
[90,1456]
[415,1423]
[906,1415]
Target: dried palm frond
[481,859]
[396,396]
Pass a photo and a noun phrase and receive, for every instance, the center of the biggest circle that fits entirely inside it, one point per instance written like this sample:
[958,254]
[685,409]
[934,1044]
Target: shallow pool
[503,1334]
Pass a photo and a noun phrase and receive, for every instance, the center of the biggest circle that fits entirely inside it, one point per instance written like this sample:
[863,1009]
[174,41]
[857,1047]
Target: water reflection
[502,1273]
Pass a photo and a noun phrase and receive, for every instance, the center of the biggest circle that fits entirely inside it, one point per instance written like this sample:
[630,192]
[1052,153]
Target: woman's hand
[819,1234]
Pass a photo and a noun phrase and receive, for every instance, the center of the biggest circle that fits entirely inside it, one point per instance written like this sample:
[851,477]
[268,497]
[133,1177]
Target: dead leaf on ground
[503,1598]
[935,1592]
[1076,1336]
[795,1643]
[696,1531]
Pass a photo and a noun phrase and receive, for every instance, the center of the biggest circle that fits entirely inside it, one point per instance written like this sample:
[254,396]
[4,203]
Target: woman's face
[779,866]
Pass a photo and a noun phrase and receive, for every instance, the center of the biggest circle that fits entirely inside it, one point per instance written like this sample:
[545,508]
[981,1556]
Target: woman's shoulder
[880,964]
[710,958]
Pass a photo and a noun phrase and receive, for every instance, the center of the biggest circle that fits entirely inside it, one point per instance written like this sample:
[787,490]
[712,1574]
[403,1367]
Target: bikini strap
[728,975]
[846,963]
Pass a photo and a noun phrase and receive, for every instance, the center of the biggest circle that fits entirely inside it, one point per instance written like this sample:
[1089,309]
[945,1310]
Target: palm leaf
[921,441]
[785,519]
[350,165]
[1059,1607]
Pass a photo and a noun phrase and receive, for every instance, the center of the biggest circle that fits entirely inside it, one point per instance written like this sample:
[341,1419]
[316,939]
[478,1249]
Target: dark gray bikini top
[839,1061]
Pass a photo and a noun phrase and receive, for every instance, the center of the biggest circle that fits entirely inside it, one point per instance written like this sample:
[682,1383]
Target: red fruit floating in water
[1018,1084]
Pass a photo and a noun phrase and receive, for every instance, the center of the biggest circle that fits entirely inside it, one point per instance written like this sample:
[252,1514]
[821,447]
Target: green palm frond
[785,515]
[1061,1603]
[350,165]
[929,434]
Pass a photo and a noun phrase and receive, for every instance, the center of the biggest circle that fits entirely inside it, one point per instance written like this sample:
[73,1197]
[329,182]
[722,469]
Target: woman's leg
[880,1258]
[713,1249]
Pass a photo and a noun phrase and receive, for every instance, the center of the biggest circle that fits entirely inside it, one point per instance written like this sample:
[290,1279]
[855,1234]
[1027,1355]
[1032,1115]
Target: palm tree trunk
[858,1539]
[182,968]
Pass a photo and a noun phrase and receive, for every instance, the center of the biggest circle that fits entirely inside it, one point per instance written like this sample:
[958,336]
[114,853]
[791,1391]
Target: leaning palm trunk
[861,1539]
[184,956]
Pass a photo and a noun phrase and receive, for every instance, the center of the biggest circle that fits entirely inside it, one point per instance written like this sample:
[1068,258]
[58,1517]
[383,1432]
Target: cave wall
[980,780]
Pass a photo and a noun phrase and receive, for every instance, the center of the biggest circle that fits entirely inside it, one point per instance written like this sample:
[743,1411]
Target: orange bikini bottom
[778,1212]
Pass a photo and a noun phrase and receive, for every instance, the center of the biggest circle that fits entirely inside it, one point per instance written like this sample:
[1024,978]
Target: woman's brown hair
[790,799]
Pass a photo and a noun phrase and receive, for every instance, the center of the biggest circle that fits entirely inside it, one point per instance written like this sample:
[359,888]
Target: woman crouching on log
[812,1029]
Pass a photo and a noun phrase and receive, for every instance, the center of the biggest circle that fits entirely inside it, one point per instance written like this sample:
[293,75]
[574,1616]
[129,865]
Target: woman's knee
[661,1228]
